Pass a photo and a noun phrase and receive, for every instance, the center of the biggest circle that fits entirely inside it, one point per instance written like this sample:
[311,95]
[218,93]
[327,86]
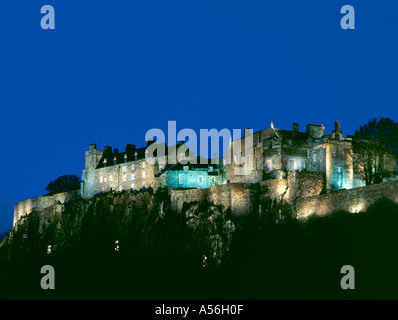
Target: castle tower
[89,178]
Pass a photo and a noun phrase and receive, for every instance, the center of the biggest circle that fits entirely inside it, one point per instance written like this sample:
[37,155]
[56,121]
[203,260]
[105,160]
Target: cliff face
[138,231]
[111,220]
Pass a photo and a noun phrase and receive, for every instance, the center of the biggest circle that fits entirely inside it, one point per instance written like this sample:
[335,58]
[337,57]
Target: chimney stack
[130,149]
[337,126]
[108,149]
[295,129]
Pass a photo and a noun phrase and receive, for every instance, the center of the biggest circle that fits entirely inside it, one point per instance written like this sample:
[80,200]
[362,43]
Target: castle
[289,163]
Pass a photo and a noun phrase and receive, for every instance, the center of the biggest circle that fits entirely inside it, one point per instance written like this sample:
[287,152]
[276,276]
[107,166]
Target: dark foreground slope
[134,246]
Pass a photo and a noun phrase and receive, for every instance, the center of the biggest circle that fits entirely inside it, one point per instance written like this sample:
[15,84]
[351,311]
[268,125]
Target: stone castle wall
[351,200]
[41,203]
[237,196]
[304,188]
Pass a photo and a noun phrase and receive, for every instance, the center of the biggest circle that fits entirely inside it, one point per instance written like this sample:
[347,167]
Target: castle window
[101,179]
[104,179]
[315,157]
[110,178]
[143,184]
[133,167]
[124,179]
[339,184]
[334,154]
[210,169]
[268,165]
[132,186]
[213,179]
[338,169]
[200,179]
[186,168]
[143,165]
[181,179]
[132,177]
[143,174]
[124,169]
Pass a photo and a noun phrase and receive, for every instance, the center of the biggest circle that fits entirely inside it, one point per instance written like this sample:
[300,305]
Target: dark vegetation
[202,253]
[67,182]
[371,144]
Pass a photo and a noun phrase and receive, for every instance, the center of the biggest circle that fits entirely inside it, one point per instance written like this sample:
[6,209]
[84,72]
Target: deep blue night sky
[111,70]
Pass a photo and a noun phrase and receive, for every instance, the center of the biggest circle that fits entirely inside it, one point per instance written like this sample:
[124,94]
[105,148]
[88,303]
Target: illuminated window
[101,179]
[213,179]
[124,169]
[143,165]
[200,179]
[124,178]
[210,169]
[132,186]
[104,179]
[132,167]
[110,178]
[339,184]
[268,165]
[132,177]
[315,157]
[143,175]
[181,179]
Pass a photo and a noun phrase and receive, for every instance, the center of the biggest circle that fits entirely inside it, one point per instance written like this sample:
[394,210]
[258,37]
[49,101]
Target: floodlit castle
[273,154]
[290,164]
[276,152]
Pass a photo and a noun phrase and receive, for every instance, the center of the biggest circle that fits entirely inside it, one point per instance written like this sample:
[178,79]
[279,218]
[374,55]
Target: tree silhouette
[63,183]
[372,144]
[383,130]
